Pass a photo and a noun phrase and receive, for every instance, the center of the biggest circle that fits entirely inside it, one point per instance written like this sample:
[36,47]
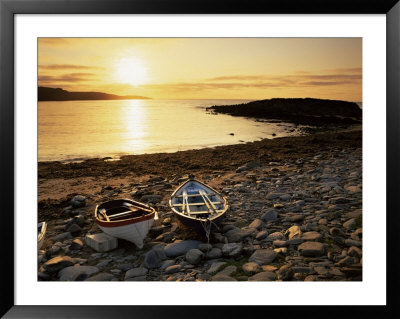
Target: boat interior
[197,201]
[120,210]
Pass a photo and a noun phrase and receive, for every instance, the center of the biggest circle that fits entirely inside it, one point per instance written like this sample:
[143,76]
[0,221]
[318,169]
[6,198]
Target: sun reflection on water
[134,119]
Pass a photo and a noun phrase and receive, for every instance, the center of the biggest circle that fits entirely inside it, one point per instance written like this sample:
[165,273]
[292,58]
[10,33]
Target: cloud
[70,77]
[67,67]
[53,41]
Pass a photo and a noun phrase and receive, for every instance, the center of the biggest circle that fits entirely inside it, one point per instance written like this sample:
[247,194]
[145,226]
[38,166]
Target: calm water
[75,130]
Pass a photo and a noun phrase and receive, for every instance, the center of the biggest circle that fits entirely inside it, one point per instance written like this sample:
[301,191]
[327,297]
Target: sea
[78,130]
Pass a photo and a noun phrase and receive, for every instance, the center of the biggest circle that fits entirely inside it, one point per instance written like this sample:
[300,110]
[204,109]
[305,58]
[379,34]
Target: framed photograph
[180,156]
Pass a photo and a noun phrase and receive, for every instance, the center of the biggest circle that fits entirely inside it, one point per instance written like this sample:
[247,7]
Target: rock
[154,257]
[215,266]
[62,236]
[270,215]
[57,263]
[334,231]
[124,266]
[352,242]
[222,277]
[263,276]
[285,197]
[312,236]
[293,232]
[179,248]
[338,200]
[354,252]
[78,201]
[294,241]
[311,249]
[135,272]
[262,234]
[194,256]
[173,269]
[74,229]
[101,277]
[346,261]
[166,263]
[285,273]
[138,278]
[155,199]
[282,250]
[251,268]
[279,243]
[213,253]
[263,256]
[77,273]
[228,270]
[350,224]
[103,263]
[257,224]
[295,218]
[77,244]
[205,247]
[275,236]
[232,249]
[237,234]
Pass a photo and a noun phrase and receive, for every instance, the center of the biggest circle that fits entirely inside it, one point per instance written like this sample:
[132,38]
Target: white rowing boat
[125,219]
[42,227]
[198,206]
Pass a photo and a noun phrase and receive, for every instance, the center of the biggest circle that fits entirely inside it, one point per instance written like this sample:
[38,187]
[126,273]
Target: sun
[132,71]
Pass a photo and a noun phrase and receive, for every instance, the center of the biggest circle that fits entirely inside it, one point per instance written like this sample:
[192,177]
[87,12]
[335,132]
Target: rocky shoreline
[295,214]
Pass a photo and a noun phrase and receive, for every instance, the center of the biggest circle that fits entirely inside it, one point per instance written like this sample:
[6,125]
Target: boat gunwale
[42,231]
[127,221]
[226,205]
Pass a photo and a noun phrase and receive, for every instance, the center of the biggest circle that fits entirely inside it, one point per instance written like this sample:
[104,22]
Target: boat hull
[133,232]
[133,229]
[201,217]
[42,234]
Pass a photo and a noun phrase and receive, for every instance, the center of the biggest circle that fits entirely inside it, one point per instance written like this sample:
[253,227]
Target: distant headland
[307,111]
[58,94]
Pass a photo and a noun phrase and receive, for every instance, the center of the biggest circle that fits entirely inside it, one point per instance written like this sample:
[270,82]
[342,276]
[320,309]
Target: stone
[285,197]
[334,231]
[270,215]
[295,218]
[78,201]
[263,256]
[275,236]
[263,276]
[232,249]
[350,224]
[228,270]
[279,243]
[74,229]
[154,257]
[213,253]
[205,247]
[312,236]
[257,224]
[194,256]
[136,272]
[179,248]
[285,273]
[77,273]
[236,234]
[138,278]
[101,242]
[352,242]
[262,234]
[282,250]
[166,263]
[173,269]
[311,249]
[103,263]
[62,236]
[222,277]
[57,263]
[154,199]
[293,232]
[354,252]
[215,266]
[76,244]
[251,268]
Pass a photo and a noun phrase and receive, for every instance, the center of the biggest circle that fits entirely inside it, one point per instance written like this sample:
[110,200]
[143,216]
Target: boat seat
[195,204]
[205,212]
[121,214]
[194,195]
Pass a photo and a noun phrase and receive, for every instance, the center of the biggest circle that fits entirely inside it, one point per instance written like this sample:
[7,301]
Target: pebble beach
[295,213]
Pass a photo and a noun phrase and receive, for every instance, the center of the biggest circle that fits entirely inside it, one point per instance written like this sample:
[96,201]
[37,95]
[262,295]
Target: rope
[207,228]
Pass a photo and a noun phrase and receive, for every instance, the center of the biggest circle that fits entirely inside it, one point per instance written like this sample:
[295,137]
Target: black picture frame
[8,9]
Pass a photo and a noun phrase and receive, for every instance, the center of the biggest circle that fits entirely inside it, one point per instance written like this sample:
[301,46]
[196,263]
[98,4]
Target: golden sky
[205,68]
